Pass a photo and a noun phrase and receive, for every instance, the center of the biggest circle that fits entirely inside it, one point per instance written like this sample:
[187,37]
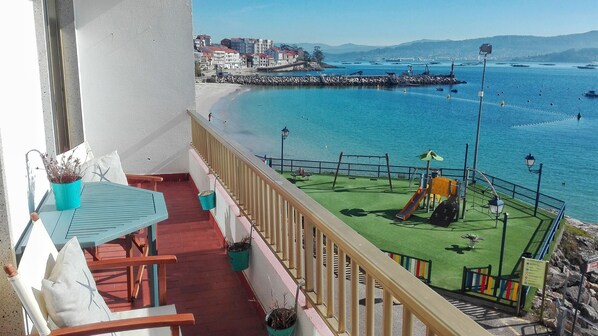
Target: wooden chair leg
[130,272]
[139,277]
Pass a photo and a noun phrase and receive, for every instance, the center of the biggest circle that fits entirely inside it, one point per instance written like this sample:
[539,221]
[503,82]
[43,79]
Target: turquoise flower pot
[207,199]
[67,195]
[239,260]
[279,332]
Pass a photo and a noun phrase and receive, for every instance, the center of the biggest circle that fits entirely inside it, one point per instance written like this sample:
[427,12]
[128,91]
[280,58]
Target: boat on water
[591,94]
[439,89]
[588,66]
[520,65]
[454,90]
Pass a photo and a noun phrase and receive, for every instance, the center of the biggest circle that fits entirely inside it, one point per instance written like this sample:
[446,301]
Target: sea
[530,109]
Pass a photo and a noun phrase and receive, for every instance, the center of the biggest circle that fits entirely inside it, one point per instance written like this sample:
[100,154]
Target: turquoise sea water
[539,117]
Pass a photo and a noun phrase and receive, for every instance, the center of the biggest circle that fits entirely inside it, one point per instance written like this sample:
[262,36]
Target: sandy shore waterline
[208,94]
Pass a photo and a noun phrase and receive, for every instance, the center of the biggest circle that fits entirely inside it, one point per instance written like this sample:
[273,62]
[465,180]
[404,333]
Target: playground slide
[412,204]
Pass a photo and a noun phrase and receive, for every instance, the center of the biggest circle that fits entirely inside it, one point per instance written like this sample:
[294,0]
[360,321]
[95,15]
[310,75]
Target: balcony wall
[306,240]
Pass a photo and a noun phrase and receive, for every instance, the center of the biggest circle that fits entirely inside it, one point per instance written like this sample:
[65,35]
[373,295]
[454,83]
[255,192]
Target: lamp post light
[496,206]
[485,49]
[284,133]
[502,242]
[529,162]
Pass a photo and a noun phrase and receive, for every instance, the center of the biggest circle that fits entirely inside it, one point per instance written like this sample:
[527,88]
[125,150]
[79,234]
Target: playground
[373,207]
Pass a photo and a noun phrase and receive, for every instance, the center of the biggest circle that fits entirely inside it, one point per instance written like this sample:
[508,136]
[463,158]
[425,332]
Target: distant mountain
[506,47]
[586,55]
[340,49]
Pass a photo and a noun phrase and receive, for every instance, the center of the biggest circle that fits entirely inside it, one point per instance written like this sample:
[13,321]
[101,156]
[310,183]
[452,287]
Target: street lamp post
[529,162]
[502,242]
[485,49]
[284,133]
[496,205]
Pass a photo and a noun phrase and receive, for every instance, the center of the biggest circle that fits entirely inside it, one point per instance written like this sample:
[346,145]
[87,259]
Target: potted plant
[64,175]
[282,320]
[472,239]
[207,199]
[238,253]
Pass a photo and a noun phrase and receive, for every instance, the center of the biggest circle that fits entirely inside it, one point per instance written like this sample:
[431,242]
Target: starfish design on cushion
[102,174]
[92,291]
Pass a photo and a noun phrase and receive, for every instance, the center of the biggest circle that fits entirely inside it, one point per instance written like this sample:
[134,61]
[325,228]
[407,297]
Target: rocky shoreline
[339,80]
[579,243]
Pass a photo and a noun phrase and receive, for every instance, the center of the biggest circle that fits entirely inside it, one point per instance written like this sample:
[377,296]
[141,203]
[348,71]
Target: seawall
[339,80]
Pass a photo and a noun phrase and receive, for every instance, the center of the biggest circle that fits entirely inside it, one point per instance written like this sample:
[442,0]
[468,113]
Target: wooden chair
[39,263]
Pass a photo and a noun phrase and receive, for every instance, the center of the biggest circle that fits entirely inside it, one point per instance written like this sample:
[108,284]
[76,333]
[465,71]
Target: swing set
[379,157]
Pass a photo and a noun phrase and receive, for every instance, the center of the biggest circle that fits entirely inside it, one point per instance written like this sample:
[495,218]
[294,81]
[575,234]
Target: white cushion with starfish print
[106,168]
[70,291]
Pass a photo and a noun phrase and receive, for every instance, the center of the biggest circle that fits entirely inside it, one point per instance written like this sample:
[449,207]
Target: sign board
[592,265]
[534,272]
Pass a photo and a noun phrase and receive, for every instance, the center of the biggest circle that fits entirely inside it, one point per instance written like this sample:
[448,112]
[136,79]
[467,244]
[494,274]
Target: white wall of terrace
[21,128]
[137,80]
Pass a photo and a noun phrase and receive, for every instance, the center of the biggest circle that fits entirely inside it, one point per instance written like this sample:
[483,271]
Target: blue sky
[390,22]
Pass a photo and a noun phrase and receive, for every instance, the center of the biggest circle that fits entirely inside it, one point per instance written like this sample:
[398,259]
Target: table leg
[153,269]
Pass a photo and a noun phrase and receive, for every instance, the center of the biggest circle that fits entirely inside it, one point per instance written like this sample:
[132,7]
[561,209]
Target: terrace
[350,285]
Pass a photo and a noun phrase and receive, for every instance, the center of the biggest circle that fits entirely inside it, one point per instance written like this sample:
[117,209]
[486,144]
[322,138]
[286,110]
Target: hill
[586,55]
[505,47]
[340,49]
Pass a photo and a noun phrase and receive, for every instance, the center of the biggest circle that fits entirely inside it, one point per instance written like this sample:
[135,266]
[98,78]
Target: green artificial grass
[369,207]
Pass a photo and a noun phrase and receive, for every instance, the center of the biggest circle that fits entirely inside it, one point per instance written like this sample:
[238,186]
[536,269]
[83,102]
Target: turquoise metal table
[108,211]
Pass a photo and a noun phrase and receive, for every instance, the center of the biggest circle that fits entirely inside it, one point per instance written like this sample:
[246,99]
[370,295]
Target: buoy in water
[578,115]
[502,103]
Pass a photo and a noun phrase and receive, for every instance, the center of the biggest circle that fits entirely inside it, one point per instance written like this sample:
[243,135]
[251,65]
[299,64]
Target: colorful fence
[421,268]
[479,280]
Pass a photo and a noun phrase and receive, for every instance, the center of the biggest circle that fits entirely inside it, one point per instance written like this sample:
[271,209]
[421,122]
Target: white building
[250,45]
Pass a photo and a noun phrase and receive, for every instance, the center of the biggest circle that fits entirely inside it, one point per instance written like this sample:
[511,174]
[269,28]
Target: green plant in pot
[282,320]
[64,175]
[238,253]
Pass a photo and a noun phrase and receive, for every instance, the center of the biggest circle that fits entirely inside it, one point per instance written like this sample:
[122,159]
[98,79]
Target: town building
[202,41]
[250,45]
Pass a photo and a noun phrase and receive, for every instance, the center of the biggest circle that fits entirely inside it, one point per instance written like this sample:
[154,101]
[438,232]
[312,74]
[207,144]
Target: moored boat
[591,94]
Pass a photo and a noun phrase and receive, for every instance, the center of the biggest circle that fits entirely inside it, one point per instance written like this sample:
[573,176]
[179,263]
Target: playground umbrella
[428,156]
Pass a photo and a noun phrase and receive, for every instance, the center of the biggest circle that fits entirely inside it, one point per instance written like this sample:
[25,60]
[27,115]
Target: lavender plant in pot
[64,175]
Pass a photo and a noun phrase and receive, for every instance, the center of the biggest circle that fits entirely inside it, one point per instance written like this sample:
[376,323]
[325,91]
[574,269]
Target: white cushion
[106,168]
[82,152]
[70,291]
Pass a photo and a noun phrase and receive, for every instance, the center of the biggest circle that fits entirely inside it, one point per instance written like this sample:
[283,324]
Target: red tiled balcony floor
[201,282]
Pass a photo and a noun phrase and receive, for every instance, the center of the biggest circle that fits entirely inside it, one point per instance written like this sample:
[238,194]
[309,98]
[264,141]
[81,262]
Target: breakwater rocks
[579,243]
[339,80]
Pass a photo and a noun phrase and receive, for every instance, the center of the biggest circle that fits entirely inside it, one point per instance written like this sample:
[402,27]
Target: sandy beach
[208,94]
